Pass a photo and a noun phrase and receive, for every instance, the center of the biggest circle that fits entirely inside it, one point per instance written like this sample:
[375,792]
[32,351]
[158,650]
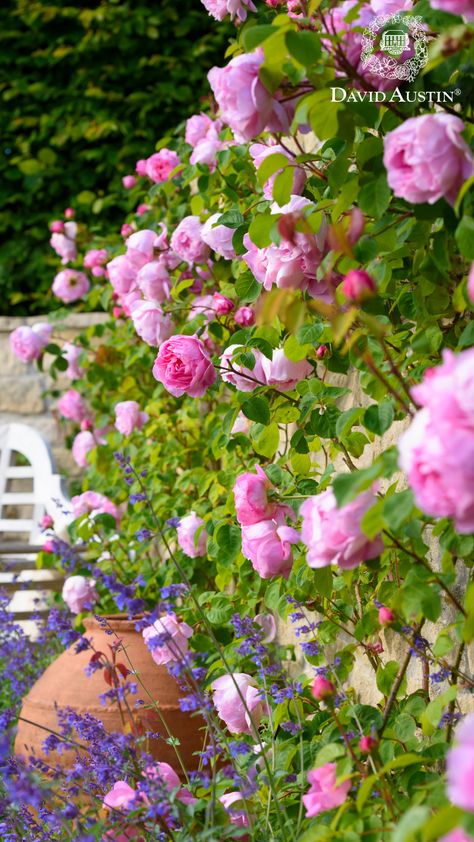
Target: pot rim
[116,622]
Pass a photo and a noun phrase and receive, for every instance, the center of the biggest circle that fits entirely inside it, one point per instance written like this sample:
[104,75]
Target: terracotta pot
[65,684]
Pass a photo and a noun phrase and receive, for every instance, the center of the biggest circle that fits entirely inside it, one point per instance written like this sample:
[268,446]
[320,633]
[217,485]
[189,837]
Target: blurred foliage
[86,88]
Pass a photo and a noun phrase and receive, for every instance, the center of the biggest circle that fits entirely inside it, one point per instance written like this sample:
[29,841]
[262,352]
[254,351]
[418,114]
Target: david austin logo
[387,40]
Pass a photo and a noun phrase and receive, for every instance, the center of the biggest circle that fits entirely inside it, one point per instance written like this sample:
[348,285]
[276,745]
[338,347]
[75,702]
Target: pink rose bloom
[128,417]
[120,797]
[251,500]
[71,406]
[460,765]
[245,317]
[267,544]
[154,281]
[334,536]
[245,103]
[238,815]
[64,247]
[140,167]
[463,8]
[324,794]
[459,834]
[167,776]
[260,151]
[218,9]
[129,181]
[187,242]
[239,718]
[79,593]
[167,639]
[184,367]
[268,626]
[470,284]
[244,379]
[161,164]
[151,324]
[122,274]
[71,354]
[358,285]
[128,300]
[241,425]
[218,237]
[206,152]
[426,158]
[222,305]
[70,285]
[187,528]
[92,502]
[95,257]
[27,343]
[141,247]
[197,128]
[282,373]
[82,445]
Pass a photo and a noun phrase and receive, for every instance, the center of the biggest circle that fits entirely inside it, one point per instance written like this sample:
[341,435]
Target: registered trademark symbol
[458,91]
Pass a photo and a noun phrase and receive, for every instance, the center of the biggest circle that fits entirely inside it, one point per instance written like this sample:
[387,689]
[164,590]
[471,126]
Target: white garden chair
[29,489]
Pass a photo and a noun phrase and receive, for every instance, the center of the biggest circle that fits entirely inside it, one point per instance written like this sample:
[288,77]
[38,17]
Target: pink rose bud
[79,593]
[46,522]
[358,285]
[117,312]
[470,284]
[48,546]
[129,181]
[69,213]
[222,304]
[245,317]
[322,688]
[126,230]
[321,351]
[143,208]
[385,616]
[367,744]
[377,648]
[56,227]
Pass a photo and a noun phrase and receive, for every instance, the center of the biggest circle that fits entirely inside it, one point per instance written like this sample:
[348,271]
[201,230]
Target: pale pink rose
[245,317]
[128,417]
[79,593]
[222,305]
[251,497]
[260,151]
[244,379]
[92,502]
[218,9]
[206,152]
[282,373]
[187,242]
[82,445]
[324,794]
[64,247]
[128,300]
[245,103]
[129,181]
[470,284]
[267,544]
[197,128]
[460,765]
[457,835]
[120,797]
[426,158]
[71,354]
[241,715]
[95,257]
[154,281]
[190,543]
[463,8]
[334,536]
[28,343]
[151,324]
[390,7]
[122,274]
[238,814]
[218,237]
[241,425]
[184,367]
[161,164]
[167,639]
[70,285]
[268,625]
[71,405]
[167,776]
[141,247]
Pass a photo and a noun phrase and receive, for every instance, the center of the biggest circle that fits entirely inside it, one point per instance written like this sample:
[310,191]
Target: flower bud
[322,688]
[46,522]
[57,226]
[117,312]
[129,181]
[69,213]
[48,546]
[321,351]
[358,285]
[367,744]
[141,209]
[245,317]
[385,616]
[126,230]
[222,304]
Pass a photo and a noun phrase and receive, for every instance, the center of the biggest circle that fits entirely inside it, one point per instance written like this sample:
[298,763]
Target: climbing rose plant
[276,426]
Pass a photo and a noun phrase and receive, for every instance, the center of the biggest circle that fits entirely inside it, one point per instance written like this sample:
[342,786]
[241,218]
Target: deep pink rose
[92,502]
[322,688]
[122,274]
[190,543]
[222,305]
[79,593]
[218,237]
[238,814]
[161,164]
[28,343]
[251,497]
[245,317]
[154,281]
[267,544]
[187,242]
[82,445]
[458,835]
[141,247]
[57,226]
[460,765]
[245,103]
[218,9]
[71,405]
[151,324]
[128,417]
[426,158]
[282,373]
[334,536]
[239,718]
[167,639]
[244,379]
[121,796]
[71,354]
[324,794]
[463,8]
[358,285]
[184,367]
[95,257]
[260,151]
[70,285]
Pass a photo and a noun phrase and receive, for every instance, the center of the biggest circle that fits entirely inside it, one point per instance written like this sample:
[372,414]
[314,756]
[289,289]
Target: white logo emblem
[400,33]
